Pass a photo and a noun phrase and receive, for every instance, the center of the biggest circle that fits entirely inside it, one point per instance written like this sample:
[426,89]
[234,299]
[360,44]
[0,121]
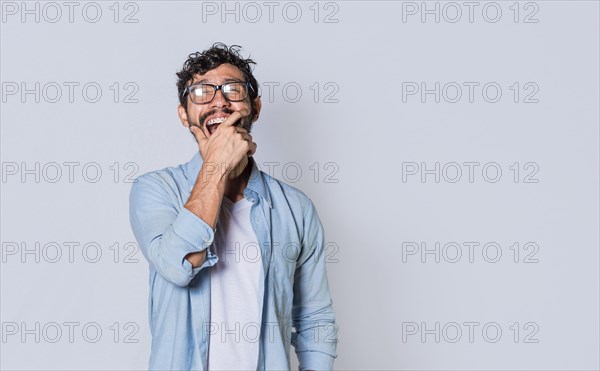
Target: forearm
[205,202]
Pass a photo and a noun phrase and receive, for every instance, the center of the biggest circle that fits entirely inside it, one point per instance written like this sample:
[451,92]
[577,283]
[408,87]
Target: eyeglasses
[234,91]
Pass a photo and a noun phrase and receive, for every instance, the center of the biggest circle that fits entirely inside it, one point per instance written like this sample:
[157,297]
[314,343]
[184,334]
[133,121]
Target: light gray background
[370,213]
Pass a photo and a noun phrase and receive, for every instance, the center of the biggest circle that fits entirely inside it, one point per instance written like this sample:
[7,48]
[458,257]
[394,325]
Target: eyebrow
[205,81]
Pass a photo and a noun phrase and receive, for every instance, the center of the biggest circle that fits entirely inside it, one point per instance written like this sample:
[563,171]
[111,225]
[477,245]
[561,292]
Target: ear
[183,116]
[256,106]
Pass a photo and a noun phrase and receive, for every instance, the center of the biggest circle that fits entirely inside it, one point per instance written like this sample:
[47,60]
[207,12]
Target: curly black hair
[211,58]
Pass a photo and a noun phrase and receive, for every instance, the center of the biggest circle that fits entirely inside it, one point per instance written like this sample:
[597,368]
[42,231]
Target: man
[236,257]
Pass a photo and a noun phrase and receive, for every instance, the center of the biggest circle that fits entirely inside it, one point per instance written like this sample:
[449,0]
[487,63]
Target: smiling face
[208,116]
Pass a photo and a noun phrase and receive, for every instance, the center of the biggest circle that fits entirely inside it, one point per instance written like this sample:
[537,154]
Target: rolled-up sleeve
[166,233]
[316,337]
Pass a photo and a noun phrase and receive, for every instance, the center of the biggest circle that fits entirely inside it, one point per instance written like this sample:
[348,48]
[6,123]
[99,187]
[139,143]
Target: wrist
[212,174]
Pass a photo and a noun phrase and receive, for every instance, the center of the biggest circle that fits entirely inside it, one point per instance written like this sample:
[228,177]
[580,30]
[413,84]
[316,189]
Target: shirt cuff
[198,235]
[312,360]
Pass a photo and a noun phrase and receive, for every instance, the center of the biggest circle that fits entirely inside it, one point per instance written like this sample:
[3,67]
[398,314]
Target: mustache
[203,117]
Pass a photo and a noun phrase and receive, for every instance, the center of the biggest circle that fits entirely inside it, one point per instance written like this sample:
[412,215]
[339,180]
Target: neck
[234,188]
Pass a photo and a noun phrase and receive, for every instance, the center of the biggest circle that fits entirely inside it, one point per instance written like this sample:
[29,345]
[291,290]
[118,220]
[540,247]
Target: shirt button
[257,221]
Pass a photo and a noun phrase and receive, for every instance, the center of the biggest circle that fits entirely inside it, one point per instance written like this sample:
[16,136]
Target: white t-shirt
[237,289]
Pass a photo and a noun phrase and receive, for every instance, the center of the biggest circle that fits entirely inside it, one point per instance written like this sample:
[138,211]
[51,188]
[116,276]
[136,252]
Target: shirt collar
[256,183]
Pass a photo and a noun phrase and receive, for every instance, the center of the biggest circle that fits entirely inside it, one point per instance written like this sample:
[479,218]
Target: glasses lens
[201,93]
[235,91]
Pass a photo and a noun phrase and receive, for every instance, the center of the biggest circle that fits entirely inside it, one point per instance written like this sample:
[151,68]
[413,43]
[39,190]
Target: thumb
[198,133]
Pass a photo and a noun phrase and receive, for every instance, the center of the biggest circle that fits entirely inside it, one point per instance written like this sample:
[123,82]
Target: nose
[219,100]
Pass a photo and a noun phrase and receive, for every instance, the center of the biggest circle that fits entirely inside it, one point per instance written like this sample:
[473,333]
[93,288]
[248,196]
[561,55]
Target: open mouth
[213,124]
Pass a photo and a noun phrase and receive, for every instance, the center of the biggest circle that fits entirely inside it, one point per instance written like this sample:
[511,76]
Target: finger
[198,133]
[252,149]
[234,117]
[244,135]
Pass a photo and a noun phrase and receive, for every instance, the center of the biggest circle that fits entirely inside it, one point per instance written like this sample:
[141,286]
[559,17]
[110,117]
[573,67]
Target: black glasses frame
[188,89]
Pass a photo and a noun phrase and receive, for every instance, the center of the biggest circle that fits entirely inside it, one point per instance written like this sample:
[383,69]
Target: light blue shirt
[296,292]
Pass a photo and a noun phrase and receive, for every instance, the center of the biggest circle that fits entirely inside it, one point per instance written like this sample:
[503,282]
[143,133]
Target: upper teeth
[217,120]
